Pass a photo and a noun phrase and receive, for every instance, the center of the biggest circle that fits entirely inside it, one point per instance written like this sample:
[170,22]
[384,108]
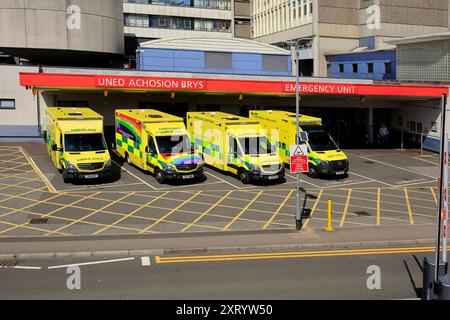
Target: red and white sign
[232,85]
[299,158]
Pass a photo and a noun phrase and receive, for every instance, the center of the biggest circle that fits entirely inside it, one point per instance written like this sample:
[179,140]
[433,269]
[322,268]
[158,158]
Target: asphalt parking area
[384,187]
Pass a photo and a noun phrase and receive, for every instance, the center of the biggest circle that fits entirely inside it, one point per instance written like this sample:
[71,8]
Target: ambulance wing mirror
[55,147]
[150,151]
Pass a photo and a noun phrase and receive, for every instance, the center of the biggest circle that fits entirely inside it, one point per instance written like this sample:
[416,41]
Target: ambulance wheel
[159,176]
[313,172]
[244,176]
[66,179]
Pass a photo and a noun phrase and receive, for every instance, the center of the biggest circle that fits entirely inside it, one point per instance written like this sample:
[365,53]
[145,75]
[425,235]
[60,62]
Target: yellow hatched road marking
[408,204]
[378,206]
[206,212]
[88,215]
[347,204]
[278,209]
[285,255]
[15,226]
[47,214]
[169,213]
[434,195]
[130,214]
[38,171]
[313,208]
[242,211]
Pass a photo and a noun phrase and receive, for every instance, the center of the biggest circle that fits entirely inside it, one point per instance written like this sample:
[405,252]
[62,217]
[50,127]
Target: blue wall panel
[194,61]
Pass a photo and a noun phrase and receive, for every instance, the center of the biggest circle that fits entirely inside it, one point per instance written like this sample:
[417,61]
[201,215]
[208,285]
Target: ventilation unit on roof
[75,114]
[231,118]
[154,116]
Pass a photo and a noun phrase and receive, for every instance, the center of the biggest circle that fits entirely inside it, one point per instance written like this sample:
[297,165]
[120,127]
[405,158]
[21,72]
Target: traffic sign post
[445,201]
[299,158]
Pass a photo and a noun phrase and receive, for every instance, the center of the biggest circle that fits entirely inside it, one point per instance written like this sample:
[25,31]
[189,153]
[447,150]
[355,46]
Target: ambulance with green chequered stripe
[235,144]
[324,155]
[157,142]
[76,144]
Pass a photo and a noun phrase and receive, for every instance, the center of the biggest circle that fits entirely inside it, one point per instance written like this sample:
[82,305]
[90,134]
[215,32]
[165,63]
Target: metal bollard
[428,277]
[329,227]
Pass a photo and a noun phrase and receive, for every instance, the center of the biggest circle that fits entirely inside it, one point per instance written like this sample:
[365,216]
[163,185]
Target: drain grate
[362,213]
[38,220]
[8,263]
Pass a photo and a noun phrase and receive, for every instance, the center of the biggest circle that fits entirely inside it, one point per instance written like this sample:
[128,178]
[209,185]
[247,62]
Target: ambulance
[76,144]
[157,142]
[324,155]
[235,144]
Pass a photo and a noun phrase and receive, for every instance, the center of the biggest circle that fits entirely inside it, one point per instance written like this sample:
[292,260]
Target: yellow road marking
[169,213]
[434,195]
[130,214]
[411,219]
[278,209]
[88,215]
[15,226]
[38,171]
[206,212]
[286,255]
[347,203]
[242,211]
[313,208]
[378,206]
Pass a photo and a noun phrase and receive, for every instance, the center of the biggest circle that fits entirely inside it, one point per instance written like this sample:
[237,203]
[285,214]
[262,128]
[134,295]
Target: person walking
[384,134]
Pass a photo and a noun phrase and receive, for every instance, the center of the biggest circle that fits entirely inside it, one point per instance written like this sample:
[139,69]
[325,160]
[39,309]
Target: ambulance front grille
[271,168]
[186,167]
[90,166]
[338,165]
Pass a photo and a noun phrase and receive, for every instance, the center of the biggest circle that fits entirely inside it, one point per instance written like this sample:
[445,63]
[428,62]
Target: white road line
[397,167]
[427,161]
[22,267]
[89,263]
[89,187]
[416,183]
[146,261]
[43,176]
[224,181]
[135,176]
[303,181]
[372,179]
[346,184]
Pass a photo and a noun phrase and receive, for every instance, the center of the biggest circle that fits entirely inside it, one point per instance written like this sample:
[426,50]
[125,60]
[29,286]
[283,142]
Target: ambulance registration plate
[91,176]
[188,176]
[273,177]
[340,173]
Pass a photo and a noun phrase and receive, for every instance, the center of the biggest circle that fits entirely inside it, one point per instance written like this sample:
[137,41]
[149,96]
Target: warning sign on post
[299,158]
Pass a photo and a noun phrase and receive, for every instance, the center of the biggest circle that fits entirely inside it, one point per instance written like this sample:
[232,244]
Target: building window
[388,67]
[341,68]
[370,67]
[218,60]
[7,104]
[412,126]
[275,63]
[355,67]
[419,127]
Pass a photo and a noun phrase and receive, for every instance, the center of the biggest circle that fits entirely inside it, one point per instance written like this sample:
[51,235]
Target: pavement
[384,188]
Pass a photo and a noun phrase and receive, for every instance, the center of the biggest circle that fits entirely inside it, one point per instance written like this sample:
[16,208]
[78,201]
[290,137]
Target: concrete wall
[21,121]
[42,24]
[427,61]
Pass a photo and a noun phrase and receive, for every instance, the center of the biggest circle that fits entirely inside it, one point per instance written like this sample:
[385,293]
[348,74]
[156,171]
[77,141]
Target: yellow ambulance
[157,142]
[76,144]
[235,144]
[324,155]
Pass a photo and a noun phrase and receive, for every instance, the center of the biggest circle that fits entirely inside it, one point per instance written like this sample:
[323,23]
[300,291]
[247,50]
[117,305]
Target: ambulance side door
[152,153]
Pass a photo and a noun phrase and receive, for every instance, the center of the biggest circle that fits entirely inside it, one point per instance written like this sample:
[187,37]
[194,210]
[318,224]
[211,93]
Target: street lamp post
[298,214]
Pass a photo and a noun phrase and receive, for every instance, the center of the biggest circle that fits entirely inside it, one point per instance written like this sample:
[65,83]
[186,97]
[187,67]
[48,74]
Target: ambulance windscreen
[320,139]
[84,142]
[174,144]
[256,146]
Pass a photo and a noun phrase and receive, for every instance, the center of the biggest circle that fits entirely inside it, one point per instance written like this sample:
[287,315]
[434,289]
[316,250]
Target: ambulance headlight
[170,167]
[256,168]
[70,166]
[108,163]
[201,163]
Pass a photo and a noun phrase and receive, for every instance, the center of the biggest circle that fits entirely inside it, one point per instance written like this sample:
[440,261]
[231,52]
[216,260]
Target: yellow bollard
[329,228]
